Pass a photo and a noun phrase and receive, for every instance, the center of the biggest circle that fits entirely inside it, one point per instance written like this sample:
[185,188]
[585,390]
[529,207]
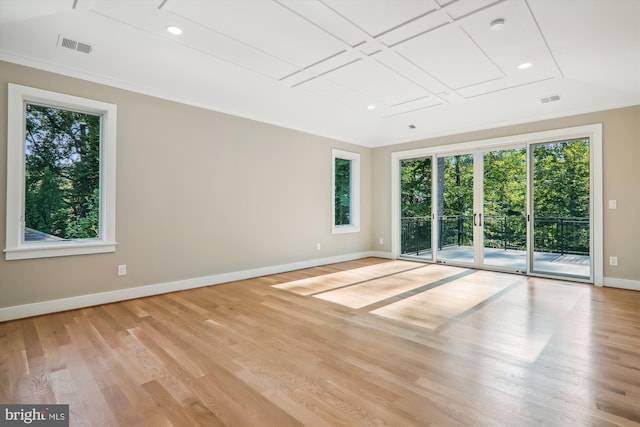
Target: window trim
[16,248]
[354,226]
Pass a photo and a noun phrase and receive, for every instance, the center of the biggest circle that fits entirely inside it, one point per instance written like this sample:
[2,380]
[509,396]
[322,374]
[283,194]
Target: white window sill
[342,229]
[57,249]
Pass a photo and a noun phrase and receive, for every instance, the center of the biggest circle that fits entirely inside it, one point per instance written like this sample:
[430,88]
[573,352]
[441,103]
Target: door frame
[592,131]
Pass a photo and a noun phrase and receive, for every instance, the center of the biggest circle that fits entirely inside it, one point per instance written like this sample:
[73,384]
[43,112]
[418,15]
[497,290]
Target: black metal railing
[505,232]
[455,230]
[561,235]
[415,235]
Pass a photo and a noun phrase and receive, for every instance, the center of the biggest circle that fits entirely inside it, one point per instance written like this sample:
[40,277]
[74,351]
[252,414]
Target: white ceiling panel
[462,8]
[449,55]
[518,42]
[411,71]
[371,47]
[528,78]
[299,78]
[19,10]
[344,59]
[414,105]
[315,65]
[265,25]
[422,25]
[145,15]
[340,94]
[326,18]
[379,16]
[378,82]
[597,43]
[341,60]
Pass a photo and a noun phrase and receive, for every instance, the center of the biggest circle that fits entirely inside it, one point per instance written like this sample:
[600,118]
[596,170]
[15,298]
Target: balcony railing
[561,235]
[415,235]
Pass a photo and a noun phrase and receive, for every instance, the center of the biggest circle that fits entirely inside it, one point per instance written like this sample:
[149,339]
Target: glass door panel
[561,226]
[454,210]
[504,225]
[415,208]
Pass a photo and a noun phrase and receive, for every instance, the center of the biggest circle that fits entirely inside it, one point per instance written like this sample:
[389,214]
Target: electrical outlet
[613,204]
[381,241]
[318,246]
[122,270]
[613,260]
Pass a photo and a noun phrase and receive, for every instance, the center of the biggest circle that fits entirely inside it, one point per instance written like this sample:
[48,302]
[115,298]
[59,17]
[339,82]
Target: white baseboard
[380,254]
[81,301]
[613,282]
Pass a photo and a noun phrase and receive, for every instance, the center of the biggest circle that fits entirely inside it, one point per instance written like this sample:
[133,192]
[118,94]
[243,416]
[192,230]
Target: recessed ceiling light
[525,65]
[176,31]
[497,24]
[371,107]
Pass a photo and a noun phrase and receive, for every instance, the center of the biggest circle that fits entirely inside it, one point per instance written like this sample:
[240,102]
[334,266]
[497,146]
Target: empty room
[320,213]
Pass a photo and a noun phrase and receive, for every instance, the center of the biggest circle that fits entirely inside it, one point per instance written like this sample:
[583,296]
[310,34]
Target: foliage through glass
[415,205]
[561,194]
[62,174]
[342,191]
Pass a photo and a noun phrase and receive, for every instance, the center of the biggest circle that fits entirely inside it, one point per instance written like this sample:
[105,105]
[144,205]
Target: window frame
[354,186]
[16,248]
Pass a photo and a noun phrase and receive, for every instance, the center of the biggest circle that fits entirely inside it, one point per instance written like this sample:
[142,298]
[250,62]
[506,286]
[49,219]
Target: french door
[521,208]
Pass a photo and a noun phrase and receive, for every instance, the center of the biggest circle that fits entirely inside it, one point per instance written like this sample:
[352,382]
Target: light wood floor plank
[369,342]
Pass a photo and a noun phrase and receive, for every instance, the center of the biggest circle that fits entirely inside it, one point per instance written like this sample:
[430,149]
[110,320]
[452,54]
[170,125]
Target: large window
[61,175]
[346,192]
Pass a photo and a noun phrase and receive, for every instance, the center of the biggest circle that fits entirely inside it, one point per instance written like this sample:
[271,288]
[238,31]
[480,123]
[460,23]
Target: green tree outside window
[62,173]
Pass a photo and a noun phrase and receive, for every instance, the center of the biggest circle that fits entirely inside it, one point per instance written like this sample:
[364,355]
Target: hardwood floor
[370,342]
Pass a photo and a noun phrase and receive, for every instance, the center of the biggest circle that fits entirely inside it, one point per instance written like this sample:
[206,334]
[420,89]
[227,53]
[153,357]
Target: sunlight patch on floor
[327,282]
[370,292]
[529,317]
[432,308]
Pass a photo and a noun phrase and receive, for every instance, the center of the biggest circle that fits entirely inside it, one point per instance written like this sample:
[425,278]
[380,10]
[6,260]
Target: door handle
[480,216]
[474,220]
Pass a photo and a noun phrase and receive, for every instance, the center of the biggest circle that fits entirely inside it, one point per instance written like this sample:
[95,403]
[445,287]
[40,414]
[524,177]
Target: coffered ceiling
[371,72]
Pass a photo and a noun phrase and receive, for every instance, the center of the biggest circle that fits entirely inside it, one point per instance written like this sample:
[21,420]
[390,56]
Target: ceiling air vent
[551,98]
[74,45]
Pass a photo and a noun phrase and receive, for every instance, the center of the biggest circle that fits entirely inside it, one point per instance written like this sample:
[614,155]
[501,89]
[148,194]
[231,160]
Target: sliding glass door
[504,207]
[455,208]
[561,199]
[523,208]
[415,205]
